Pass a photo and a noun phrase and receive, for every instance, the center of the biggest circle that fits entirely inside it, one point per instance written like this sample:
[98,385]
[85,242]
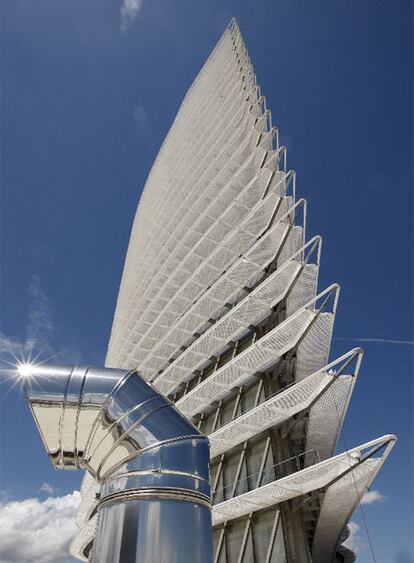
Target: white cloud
[11,351]
[5,496]
[129,11]
[38,531]
[38,344]
[39,329]
[140,115]
[355,541]
[370,497]
[48,489]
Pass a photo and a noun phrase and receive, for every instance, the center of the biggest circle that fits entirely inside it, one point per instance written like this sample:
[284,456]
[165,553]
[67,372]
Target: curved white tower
[219,308]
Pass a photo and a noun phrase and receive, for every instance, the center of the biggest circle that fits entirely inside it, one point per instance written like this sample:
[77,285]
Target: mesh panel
[304,289]
[228,288]
[89,490]
[327,415]
[84,537]
[251,310]
[339,502]
[212,136]
[238,242]
[313,351]
[268,414]
[259,356]
[284,489]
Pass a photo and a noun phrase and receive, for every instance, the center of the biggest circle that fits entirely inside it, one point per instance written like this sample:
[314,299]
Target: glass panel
[262,531]
[234,538]
[226,414]
[218,495]
[248,556]
[254,454]
[230,468]
[207,424]
[279,551]
[249,397]
[269,474]
[242,481]
[216,539]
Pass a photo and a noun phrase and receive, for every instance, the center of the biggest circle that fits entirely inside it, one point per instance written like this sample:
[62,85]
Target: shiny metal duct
[152,463]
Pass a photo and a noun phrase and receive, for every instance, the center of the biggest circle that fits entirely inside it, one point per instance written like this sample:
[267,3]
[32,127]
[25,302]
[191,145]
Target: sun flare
[25,370]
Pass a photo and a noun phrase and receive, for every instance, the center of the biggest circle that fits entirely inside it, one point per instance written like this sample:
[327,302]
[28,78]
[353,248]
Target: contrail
[380,340]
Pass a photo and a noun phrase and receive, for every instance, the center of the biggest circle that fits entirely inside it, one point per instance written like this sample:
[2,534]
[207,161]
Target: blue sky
[88,96]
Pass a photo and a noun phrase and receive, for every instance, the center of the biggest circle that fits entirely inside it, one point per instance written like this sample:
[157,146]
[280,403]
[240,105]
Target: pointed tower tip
[233,24]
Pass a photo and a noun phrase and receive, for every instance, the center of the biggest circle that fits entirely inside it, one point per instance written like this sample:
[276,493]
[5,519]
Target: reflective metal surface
[151,462]
[150,531]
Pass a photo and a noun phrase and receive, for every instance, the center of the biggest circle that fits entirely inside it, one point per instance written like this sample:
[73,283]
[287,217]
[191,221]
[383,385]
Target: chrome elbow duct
[151,462]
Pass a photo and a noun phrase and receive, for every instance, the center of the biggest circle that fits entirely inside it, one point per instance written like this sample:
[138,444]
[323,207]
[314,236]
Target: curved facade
[219,308]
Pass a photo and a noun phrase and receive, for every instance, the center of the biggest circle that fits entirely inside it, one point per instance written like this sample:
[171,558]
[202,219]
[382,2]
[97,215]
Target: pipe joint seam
[160,493]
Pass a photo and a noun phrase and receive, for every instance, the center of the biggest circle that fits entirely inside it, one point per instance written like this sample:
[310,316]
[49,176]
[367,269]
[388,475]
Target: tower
[219,308]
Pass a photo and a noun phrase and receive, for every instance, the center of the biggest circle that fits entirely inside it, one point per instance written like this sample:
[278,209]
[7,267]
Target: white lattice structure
[219,309]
